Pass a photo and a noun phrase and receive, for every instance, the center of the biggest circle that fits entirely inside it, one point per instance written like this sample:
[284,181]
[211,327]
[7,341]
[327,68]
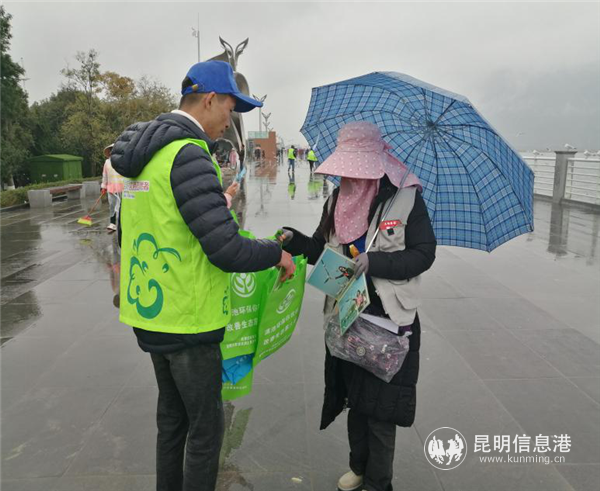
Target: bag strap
[389,207]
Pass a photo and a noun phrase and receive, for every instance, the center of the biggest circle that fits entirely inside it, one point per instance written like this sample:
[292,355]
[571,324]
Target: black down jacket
[346,384]
[201,202]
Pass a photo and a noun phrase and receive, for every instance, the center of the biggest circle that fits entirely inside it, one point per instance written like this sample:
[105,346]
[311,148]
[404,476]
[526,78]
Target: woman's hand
[362,264]
[285,237]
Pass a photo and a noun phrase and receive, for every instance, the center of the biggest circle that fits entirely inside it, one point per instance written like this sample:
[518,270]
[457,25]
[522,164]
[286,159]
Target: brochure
[353,301]
[333,274]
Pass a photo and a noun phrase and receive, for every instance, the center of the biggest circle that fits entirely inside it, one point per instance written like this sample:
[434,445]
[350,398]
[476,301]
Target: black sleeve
[119,230]
[419,253]
[127,144]
[202,204]
[311,247]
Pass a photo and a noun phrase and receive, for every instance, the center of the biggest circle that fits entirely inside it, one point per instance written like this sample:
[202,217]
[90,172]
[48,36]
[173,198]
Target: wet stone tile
[458,314]
[589,385]
[497,354]
[106,483]
[567,350]
[17,317]
[38,484]
[518,313]
[554,407]
[581,477]
[46,429]
[25,359]
[124,441]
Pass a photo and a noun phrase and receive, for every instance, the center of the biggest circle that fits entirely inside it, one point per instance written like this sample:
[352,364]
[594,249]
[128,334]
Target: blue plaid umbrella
[478,190]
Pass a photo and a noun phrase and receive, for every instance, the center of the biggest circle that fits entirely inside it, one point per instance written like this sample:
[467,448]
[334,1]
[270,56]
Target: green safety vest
[291,154]
[312,156]
[167,282]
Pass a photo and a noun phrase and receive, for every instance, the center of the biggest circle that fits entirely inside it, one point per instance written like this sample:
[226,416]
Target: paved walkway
[510,346]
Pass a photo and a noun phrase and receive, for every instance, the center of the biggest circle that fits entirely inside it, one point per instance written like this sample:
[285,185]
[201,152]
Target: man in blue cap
[179,242]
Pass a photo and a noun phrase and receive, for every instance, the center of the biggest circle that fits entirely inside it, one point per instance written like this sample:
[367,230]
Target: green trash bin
[50,168]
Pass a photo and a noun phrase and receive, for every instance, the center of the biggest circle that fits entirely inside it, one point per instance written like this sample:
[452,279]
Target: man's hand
[288,266]
[103,191]
[285,237]
[362,264]
[233,189]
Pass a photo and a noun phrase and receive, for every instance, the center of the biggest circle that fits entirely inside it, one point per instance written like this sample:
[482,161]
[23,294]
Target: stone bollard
[74,194]
[39,198]
[560,174]
[90,189]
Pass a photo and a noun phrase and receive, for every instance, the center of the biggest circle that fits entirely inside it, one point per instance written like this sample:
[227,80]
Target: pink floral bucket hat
[362,153]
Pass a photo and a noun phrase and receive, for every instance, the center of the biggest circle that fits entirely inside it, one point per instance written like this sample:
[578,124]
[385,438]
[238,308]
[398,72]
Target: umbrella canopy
[478,189]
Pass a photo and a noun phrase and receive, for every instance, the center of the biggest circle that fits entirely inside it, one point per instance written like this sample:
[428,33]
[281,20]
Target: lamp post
[266,118]
[196,34]
[260,99]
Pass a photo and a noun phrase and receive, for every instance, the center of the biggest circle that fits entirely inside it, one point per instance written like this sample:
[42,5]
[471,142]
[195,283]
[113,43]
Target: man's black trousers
[189,418]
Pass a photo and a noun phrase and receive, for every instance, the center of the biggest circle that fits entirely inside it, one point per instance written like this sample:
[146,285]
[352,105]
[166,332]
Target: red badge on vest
[388,224]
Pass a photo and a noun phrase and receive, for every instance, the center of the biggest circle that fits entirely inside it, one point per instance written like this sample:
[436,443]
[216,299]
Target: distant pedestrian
[242,156]
[233,158]
[312,158]
[292,159]
[112,183]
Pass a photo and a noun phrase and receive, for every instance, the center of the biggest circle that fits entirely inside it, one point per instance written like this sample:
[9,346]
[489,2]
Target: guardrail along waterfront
[566,175]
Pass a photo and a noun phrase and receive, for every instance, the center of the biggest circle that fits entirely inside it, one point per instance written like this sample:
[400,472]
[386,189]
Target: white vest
[400,298]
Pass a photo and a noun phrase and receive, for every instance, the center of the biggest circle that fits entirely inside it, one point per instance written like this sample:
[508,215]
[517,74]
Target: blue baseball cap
[217,76]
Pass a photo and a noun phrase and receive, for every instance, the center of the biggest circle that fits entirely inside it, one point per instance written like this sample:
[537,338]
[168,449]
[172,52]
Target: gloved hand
[103,191]
[362,264]
[286,237]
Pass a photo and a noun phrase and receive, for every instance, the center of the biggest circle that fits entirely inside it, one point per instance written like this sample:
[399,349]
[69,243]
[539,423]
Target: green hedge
[19,196]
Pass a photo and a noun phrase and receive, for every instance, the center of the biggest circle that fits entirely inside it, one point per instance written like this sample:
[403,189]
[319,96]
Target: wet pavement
[510,346]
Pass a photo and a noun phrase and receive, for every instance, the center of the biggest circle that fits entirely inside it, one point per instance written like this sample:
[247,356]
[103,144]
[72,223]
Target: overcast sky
[532,69]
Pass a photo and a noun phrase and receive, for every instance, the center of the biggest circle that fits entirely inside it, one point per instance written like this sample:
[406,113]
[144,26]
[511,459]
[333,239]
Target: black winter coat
[346,384]
[202,204]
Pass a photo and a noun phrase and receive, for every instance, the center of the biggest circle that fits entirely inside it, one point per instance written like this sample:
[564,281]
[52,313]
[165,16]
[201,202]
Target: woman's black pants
[372,445]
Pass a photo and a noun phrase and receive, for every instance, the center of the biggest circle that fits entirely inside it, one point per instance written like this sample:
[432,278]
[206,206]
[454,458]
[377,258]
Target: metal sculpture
[235,133]
[267,124]
[261,99]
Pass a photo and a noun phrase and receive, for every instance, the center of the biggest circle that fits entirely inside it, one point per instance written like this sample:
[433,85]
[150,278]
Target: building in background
[266,140]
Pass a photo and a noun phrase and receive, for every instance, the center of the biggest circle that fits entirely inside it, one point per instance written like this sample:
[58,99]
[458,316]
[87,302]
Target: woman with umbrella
[377,193]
